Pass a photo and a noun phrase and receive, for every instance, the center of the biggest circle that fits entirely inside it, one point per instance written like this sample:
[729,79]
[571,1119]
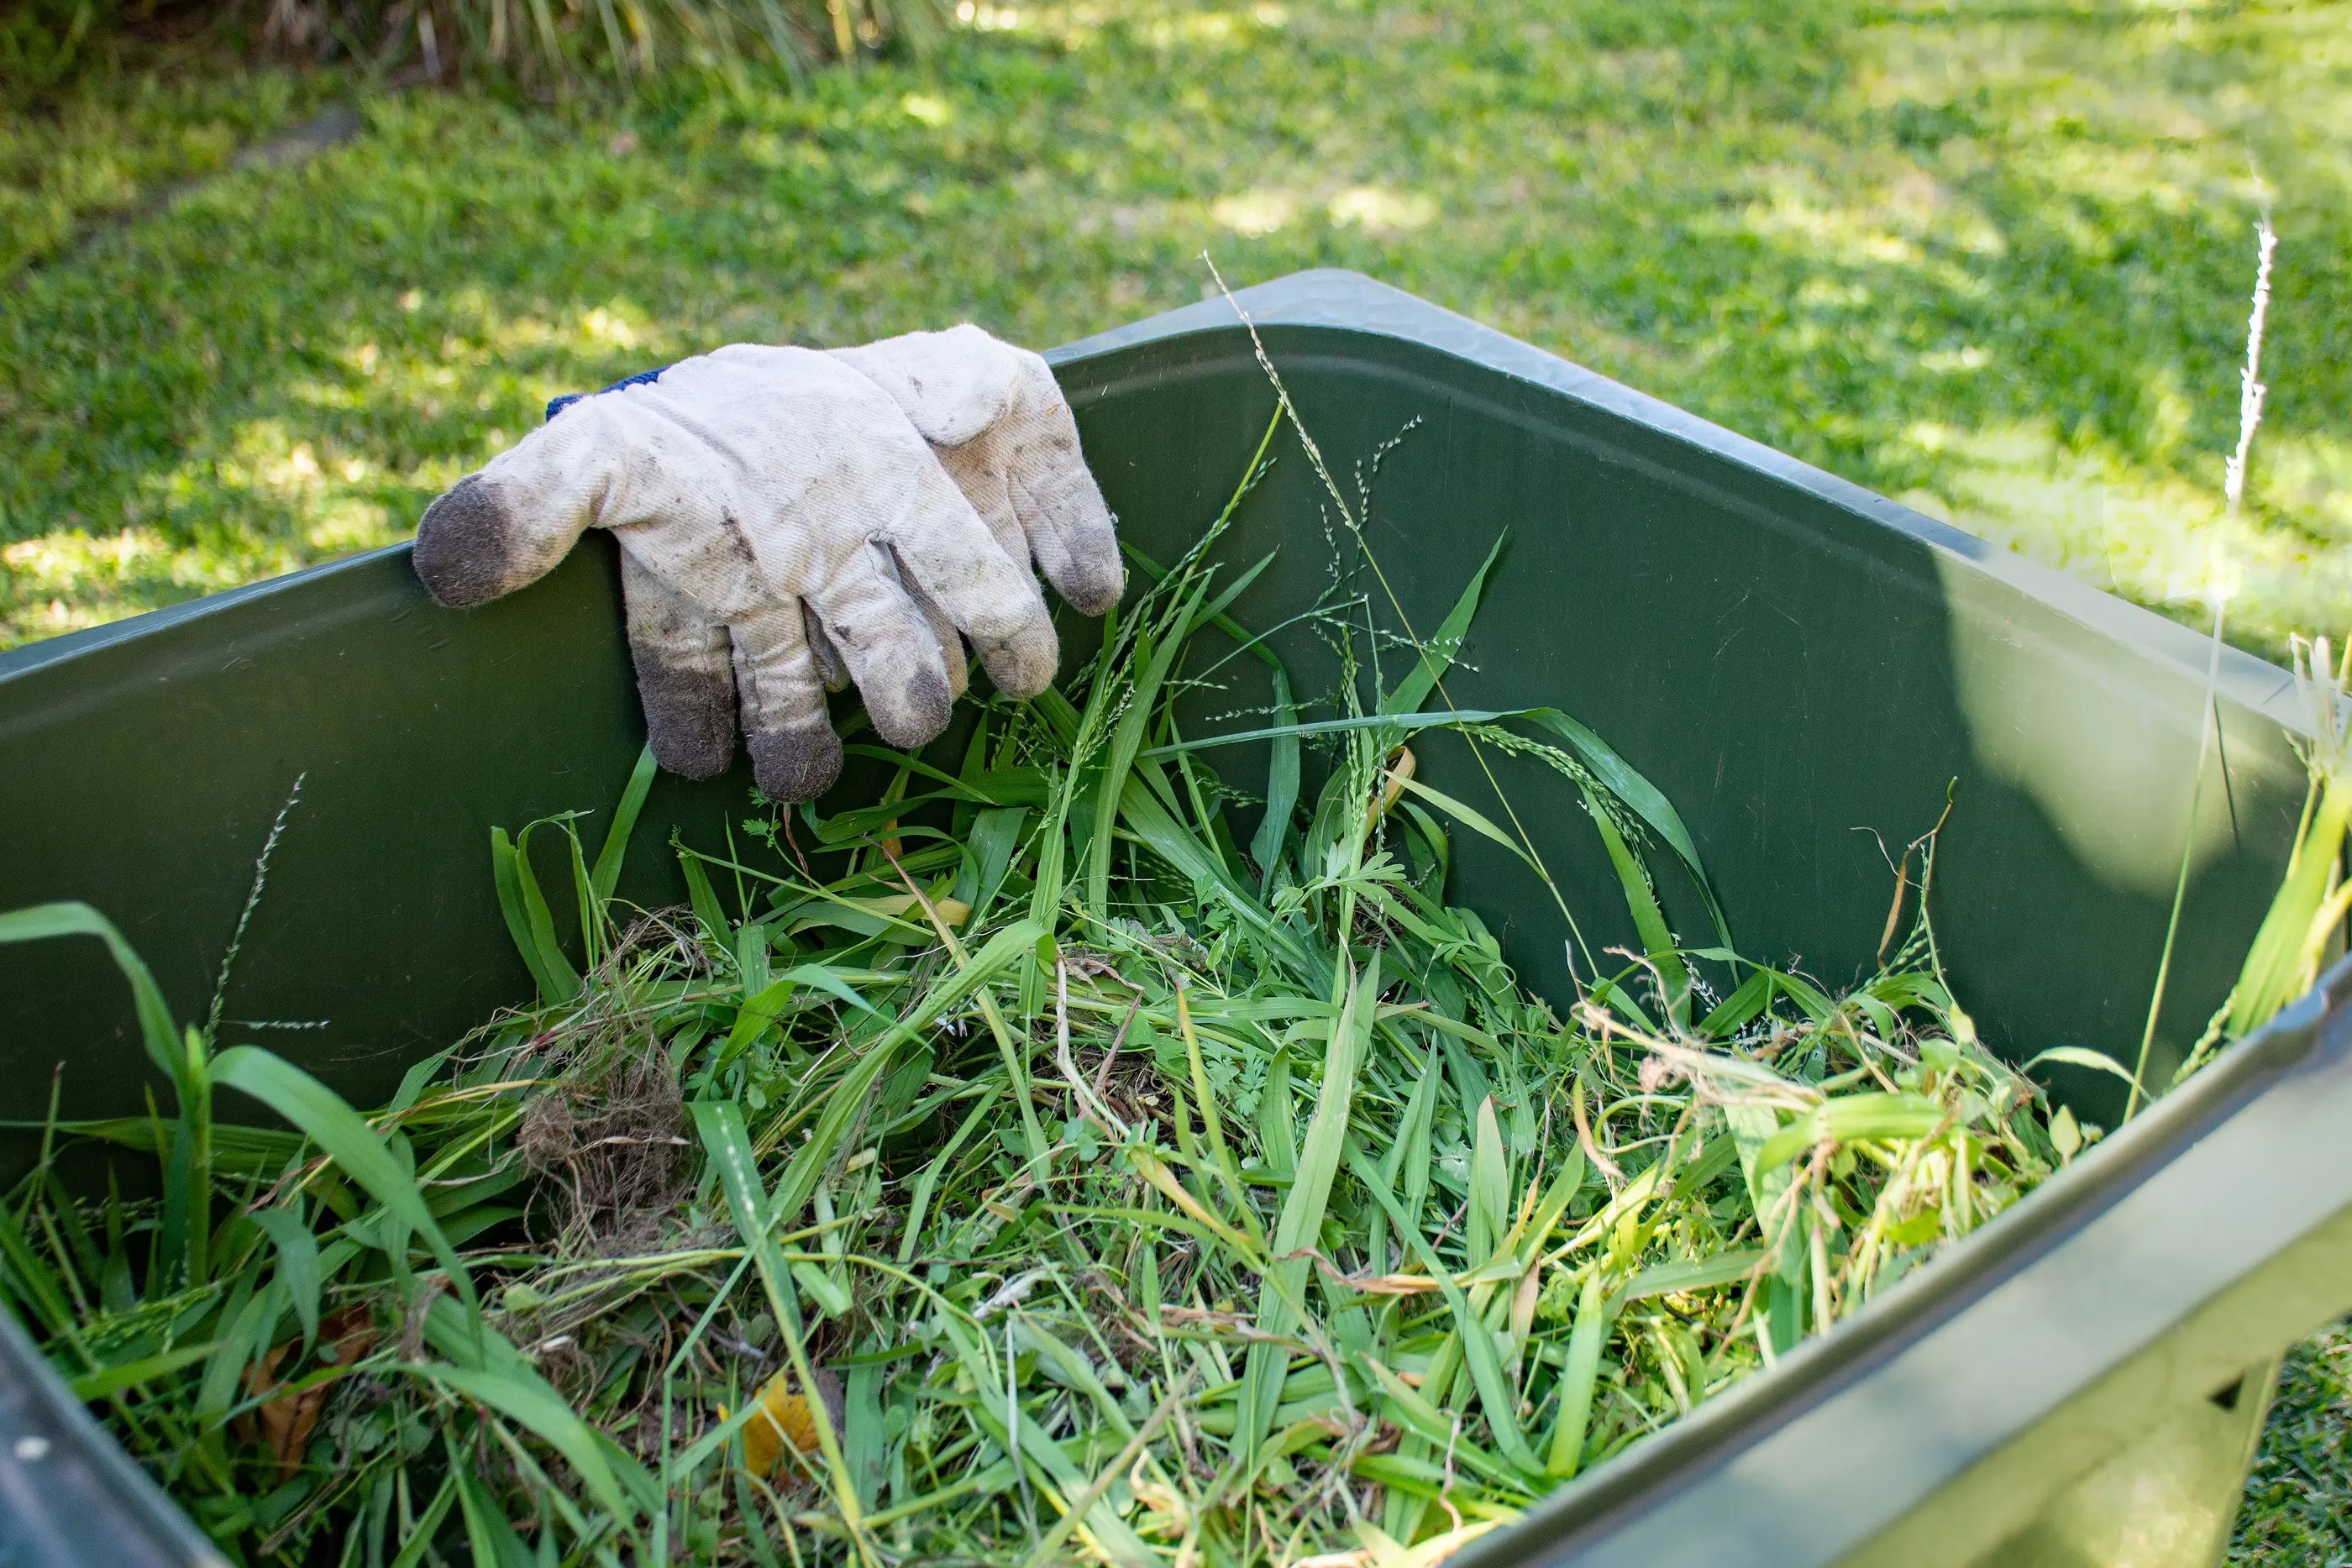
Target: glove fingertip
[915,713]
[1092,588]
[1024,663]
[795,765]
[689,717]
[1072,534]
[1088,573]
[465,545]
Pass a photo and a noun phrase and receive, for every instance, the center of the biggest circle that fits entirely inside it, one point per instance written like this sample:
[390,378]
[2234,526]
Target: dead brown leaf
[283,1422]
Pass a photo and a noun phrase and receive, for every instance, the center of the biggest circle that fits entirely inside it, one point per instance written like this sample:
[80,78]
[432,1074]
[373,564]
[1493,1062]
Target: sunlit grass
[2298,1509]
[111,146]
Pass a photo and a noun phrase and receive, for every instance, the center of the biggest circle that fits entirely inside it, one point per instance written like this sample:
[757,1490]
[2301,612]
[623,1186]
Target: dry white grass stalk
[2251,391]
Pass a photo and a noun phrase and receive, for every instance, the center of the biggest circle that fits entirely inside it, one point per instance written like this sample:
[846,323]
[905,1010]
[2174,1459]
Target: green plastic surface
[1806,670]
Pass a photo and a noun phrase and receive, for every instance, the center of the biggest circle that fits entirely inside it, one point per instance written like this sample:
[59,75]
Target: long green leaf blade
[607,874]
[1437,654]
[77,919]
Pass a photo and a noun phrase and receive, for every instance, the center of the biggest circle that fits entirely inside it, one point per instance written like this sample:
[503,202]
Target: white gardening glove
[773,507]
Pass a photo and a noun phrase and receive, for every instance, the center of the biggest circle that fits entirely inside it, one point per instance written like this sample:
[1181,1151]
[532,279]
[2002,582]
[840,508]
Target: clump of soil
[609,1131]
[614,1148]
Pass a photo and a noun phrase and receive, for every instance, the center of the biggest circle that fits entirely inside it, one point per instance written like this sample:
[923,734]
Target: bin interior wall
[1807,686]
[1794,676]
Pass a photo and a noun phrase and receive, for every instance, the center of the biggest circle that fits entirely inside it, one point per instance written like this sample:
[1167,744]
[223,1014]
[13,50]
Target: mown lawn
[2298,1508]
[1992,259]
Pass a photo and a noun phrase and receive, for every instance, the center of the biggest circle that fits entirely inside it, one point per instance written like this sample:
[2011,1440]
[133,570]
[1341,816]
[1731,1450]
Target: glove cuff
[642,378]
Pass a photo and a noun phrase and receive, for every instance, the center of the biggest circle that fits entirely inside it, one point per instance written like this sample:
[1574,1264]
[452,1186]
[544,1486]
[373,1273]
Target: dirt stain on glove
[921,711]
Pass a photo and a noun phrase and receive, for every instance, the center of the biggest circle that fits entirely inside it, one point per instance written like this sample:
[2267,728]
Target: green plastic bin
[1804,667]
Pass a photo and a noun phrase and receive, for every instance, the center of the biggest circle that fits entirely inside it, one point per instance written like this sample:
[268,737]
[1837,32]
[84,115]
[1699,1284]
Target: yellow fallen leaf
[902,906]
[783,1424]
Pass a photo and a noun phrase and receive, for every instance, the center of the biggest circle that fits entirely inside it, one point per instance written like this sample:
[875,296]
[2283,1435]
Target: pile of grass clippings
[1062,1181]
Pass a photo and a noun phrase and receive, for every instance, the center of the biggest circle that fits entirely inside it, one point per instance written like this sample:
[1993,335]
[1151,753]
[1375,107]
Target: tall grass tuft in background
[548,44]
[43,42]
[546,48]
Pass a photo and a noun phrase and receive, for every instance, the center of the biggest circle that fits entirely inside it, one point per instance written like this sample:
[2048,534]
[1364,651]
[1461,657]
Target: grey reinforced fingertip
[1075,539]
[1092,580]
[465,545]
[690,717]
[920,711]
[795,765]
[1024,663]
